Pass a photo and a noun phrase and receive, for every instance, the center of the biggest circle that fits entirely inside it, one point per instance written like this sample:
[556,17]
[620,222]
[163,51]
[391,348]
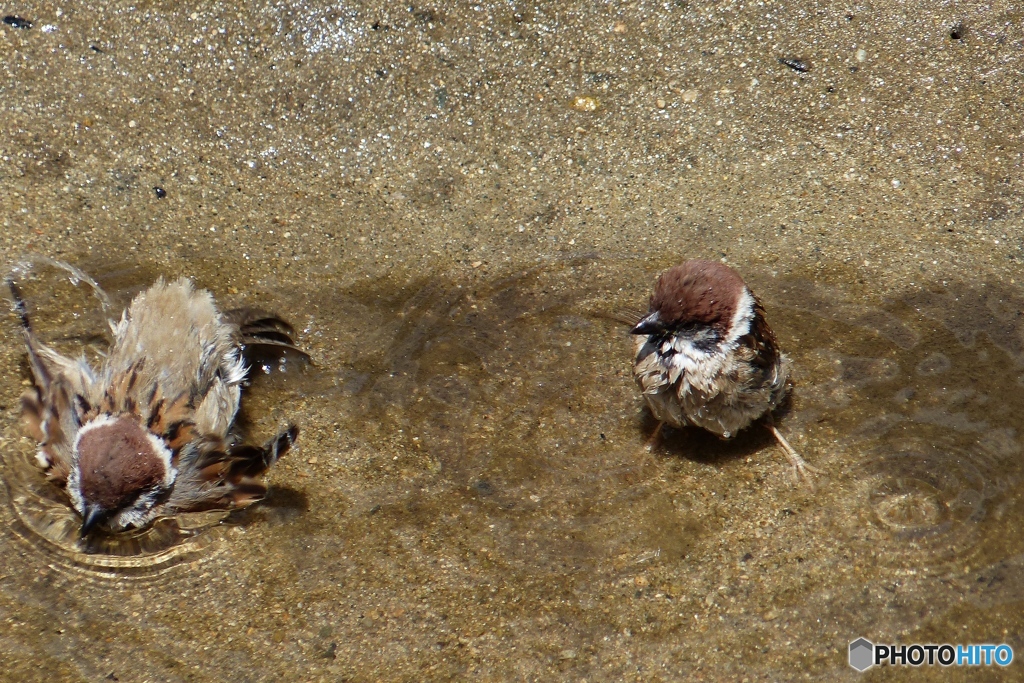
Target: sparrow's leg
[800,467]
[655,437]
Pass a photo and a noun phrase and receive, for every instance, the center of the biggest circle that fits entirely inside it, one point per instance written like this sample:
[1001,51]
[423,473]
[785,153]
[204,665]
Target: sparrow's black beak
[93,515]
[652,324]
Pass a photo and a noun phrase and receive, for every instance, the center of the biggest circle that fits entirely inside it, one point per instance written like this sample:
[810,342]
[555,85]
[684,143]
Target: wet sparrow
[705,356]
[149,432]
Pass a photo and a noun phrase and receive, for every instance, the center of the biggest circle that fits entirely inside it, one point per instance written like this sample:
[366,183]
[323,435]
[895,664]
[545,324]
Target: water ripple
[929,505]
[42,519]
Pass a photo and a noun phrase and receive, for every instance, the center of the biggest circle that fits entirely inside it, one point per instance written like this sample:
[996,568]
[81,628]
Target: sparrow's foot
[655,438]
[801,469]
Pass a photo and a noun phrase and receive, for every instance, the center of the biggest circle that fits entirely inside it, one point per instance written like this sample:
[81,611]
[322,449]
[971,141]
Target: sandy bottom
[452,205]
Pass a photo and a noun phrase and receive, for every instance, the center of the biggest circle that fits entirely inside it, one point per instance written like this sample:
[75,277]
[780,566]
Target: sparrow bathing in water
[149,432]
[705,356]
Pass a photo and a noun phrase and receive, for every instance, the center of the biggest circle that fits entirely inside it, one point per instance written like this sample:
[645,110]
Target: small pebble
[160,192]
[661,104]
[17,22]
[585,103]
[795,64]
[620,27]
[862,55]
[690,96]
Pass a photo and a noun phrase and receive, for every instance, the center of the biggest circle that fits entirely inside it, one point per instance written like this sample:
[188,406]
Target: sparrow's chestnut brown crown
[118,462]
[695,293]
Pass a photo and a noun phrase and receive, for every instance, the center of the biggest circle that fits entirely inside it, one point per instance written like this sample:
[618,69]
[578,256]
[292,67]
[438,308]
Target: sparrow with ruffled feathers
[705,356]
[149,432]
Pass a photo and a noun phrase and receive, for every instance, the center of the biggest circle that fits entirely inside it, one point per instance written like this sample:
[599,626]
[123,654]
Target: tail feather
[270,335]
[253,320]
[266,322]
[40,372]
[264,337]
[49,410]
[273,347]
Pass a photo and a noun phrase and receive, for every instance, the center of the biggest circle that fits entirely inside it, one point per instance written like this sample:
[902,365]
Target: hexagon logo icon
[862,654]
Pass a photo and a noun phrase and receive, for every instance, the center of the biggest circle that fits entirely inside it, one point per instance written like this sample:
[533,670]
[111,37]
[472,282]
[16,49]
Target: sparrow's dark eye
[699,335]
[690,329]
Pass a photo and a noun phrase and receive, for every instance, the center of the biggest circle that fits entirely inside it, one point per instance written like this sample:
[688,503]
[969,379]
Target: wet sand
[450,204]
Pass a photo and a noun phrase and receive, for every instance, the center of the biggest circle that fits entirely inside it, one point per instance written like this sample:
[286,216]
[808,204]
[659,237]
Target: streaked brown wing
[216,475]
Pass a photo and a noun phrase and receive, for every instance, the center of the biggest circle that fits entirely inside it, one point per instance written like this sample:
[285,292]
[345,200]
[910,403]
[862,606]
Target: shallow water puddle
[472,461]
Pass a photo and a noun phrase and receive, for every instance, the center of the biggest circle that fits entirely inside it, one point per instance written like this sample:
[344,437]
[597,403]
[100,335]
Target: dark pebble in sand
[796,64]
[17,22]
[483,487]
[160,192]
